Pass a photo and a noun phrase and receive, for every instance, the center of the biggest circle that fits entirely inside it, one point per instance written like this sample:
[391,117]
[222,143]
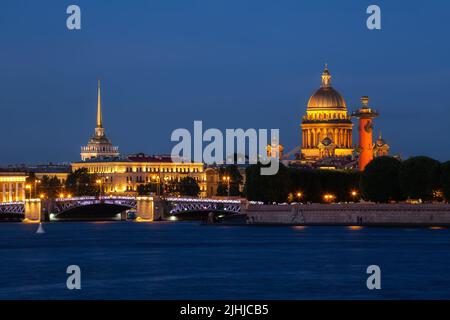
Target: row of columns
[311,138]
[12,191]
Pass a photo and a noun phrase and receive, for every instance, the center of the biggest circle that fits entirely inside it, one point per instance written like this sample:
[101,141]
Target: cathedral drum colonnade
[326,128]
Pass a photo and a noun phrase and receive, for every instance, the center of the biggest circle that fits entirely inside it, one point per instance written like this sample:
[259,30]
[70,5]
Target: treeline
[385,179]
[301,185]
[388,179]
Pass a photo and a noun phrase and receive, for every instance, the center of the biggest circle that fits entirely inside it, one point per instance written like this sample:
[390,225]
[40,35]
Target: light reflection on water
[180,260]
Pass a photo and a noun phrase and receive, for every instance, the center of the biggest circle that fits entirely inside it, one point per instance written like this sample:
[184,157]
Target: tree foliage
[188,186]
[445,179]
[81,183]
[231,171]
[267,188]
[419,177]
[380,180]
[146,189]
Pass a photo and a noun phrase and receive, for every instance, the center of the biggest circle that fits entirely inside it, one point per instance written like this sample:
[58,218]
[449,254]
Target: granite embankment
[401,214]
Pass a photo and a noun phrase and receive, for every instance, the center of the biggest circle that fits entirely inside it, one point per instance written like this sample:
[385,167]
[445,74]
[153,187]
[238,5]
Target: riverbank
[351,214]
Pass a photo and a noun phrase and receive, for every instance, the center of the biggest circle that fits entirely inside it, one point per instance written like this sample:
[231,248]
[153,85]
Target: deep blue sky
[230,63]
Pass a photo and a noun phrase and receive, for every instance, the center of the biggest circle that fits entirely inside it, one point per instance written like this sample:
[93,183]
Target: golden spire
[326,77]
[99,107]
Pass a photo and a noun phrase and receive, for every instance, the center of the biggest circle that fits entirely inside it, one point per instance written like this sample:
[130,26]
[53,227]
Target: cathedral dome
[326,97]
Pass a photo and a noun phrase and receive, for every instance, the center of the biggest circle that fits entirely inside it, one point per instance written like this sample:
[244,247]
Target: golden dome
[326,97]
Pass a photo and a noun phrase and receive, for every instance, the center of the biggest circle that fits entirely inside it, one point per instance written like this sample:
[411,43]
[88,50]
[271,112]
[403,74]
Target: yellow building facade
[327,127]
[12,186]
[123,176]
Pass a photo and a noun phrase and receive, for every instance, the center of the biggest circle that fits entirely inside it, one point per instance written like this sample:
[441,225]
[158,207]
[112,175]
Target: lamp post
[99,182]
[28,186]
[328,197]
[227,180]
[166,178]
[354,193]
[35,187]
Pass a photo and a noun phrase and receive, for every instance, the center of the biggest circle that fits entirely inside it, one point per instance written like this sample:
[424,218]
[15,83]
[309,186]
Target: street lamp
[328,197]
[166,178]
[227,180]
[354,193]
[35,187]
[28,186]
[99,182]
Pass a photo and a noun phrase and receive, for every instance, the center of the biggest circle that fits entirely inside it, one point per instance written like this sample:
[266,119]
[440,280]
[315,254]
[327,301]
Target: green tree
[146,189]
[267,188]
[50,187]
[419,177]
[188,186]
[445,179]
[81,183]
[231,171]
[380,180]
[313,184]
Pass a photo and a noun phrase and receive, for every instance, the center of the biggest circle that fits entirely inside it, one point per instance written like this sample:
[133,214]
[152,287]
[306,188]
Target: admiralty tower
[99,146]
[326,128]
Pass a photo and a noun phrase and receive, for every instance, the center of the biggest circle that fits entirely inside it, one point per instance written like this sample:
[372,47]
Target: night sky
[231,63]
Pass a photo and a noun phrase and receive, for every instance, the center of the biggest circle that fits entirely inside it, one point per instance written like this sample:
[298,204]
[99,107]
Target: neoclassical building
[122,175]
[327,127]
[12,186]
[99,146]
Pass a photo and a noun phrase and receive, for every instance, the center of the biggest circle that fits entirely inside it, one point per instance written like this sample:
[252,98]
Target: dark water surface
[180,260]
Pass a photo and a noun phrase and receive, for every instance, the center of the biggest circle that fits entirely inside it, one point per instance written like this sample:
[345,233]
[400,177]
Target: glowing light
[354,227]
[140,219]
[173,218]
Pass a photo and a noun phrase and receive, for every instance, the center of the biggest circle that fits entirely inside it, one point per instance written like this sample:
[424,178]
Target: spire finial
[365,101]
[326,77]
[99,106]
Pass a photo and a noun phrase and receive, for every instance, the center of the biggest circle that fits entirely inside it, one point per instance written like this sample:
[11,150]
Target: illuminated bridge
[185,205]
[147,208]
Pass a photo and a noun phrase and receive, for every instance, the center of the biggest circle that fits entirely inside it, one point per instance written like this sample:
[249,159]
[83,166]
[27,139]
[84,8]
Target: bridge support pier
[149,209]
[144,209]
[33,213]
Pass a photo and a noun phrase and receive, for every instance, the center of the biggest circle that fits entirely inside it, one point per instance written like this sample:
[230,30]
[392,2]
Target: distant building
[327,133]
[380,147]
[99,146]
[123,175]
[12,186]
[326,127]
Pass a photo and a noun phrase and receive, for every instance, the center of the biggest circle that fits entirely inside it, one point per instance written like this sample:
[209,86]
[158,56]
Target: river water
[184,260]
